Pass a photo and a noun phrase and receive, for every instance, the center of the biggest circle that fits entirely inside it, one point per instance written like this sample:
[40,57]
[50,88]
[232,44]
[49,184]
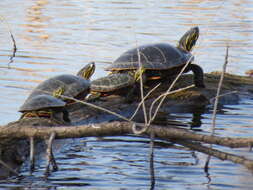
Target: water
[55,37]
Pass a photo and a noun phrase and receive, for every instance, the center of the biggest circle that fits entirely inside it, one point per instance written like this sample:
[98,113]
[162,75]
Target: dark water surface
[55,37]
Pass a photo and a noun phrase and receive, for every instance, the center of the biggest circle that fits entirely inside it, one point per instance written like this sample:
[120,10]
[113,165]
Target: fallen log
[117,129]
[168,133]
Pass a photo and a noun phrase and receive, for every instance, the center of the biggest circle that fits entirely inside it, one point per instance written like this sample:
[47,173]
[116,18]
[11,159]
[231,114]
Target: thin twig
[96,107]
[32,154]
[224,94]
[141,87]
[145,97]
[218,92]
[216,105]
[144,129]
[216,153]
[13,41]
[168,90]
[151,160]
[166,94]
[8,167]
[151,154]
[90,105]
[50,156]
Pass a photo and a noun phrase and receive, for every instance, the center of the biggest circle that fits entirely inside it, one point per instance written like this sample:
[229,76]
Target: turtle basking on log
[69,85]
[162,60]
[44,106]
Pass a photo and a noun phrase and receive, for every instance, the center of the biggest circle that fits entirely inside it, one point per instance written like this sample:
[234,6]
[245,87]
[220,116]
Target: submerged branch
[218,154]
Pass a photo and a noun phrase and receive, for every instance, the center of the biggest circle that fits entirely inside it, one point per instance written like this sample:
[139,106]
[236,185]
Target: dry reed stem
[224,94]
[169,89]
[50,155]
[141,88]
[8,168]
[97,107]
[216,105]
[12,38]
[32,160]
[218,154]
[144,98]
[166,94]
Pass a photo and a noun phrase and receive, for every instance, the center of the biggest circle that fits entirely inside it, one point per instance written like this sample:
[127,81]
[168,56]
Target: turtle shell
[41,102]
[160,56]
[72,86]
[112,82]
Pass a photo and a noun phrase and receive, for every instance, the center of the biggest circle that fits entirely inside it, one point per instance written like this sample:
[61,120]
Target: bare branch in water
[144,98]
[13,41]
[218,154]
[9,168]
[151,160]
[216,105]
[169,89]
[141,87]
[14,49]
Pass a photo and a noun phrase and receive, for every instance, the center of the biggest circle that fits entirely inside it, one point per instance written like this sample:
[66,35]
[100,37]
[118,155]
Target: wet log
[119,128]
[168,133]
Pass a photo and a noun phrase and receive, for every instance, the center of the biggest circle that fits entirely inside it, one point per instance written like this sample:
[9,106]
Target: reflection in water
[37,22]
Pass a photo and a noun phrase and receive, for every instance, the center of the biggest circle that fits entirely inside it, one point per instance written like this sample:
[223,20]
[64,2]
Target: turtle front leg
[198,75]
[93,96]
[50,156]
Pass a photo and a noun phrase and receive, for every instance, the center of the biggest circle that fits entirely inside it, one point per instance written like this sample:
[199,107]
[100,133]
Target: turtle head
[87,71]
[189,39]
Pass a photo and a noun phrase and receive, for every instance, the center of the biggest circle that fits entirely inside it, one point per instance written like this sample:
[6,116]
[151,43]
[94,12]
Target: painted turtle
[45,106]
[67,85]
[114,84]
[162,60]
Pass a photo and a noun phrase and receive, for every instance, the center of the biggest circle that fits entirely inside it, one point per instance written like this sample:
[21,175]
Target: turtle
[45,106]
[114,84]
[162,60]
[67,85]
